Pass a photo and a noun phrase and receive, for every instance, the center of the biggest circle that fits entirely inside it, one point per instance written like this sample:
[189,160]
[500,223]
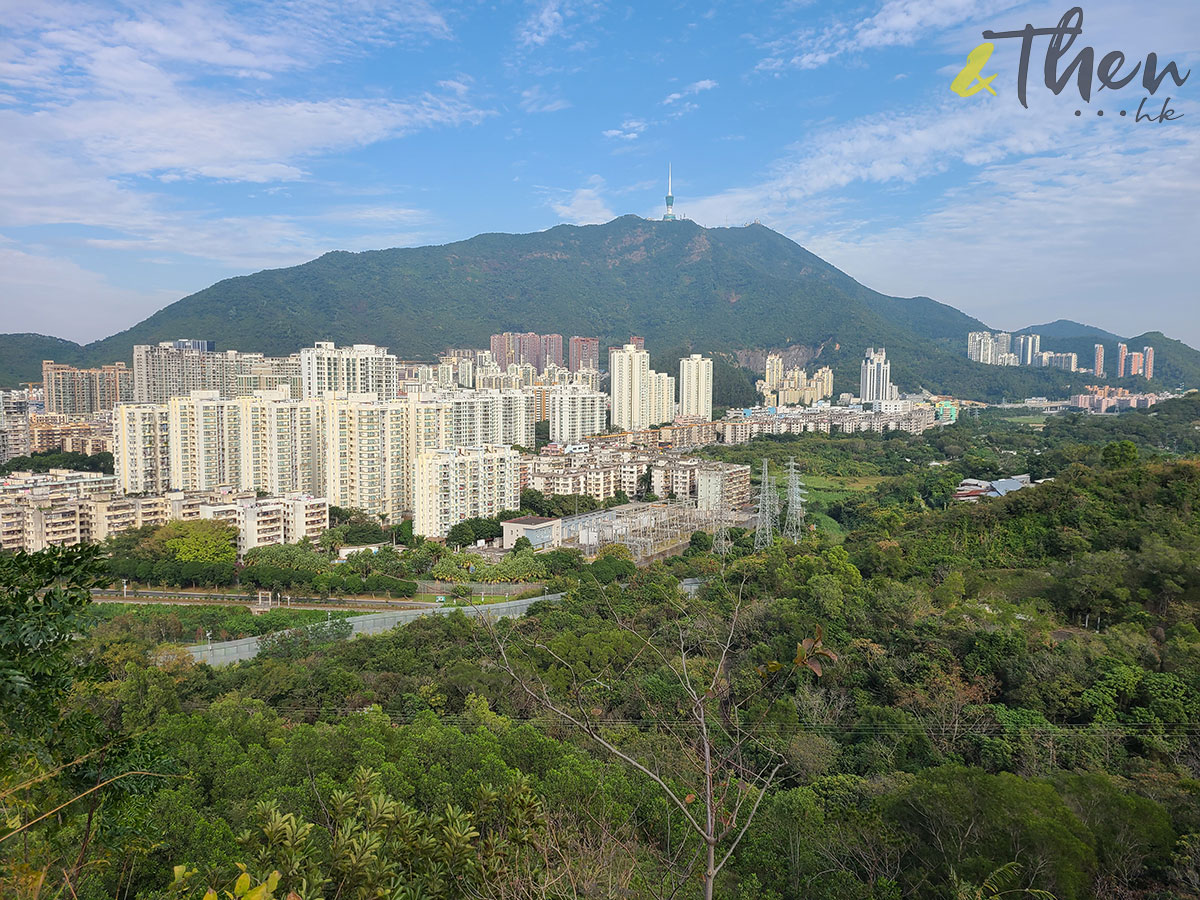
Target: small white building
[542,532]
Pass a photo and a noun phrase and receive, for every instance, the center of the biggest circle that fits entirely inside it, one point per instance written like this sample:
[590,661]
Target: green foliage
[44,600]
[45,460]
[203,541]
[1013,710]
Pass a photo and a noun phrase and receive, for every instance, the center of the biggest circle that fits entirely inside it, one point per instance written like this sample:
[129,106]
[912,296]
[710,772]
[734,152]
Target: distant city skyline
[370,127]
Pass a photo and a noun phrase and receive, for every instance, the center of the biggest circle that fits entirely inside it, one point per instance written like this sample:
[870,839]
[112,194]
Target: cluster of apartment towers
[1003,349]
[363,428]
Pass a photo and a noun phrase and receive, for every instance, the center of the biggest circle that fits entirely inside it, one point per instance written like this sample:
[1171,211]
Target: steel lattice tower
[721,542]
[768,511]
[793,526]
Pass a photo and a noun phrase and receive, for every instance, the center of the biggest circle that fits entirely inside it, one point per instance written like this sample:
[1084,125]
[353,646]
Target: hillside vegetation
[682,287]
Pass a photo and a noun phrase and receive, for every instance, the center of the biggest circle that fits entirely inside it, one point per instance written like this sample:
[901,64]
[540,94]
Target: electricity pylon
[793,526]
[768,511]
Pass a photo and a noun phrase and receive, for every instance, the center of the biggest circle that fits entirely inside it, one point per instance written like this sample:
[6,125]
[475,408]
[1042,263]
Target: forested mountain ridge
[677,284]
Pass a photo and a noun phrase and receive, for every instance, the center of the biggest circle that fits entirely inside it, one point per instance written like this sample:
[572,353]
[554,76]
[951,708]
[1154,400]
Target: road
[184,598]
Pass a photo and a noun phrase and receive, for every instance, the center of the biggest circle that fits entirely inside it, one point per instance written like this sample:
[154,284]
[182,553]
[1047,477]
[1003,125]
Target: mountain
[1065,328]
[21,356]
[677,284]
[1175,363]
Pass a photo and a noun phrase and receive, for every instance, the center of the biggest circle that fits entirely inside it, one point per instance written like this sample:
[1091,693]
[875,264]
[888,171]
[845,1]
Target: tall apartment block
[358,369]
[1148,362]
[875,377]
[1028,347]
[75,392]
[1122,360]
[575,412]
[141,448]
[695,388]
[583,353]
[459,483]
[1098,360]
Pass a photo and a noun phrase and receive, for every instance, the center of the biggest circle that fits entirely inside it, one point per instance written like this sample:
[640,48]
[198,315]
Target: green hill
[677,284]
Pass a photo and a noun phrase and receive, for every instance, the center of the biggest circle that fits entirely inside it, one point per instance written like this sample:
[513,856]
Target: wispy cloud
[539,100]
[543,24]
[585,205]
[695,87]
[897,23]
[630,130]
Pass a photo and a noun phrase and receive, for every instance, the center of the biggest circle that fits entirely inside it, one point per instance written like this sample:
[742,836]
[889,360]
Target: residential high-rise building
[1122,359]
[1148,362]
[550,351]
[256,372]
[662,398]
[1066,361]
[695,388]
[575,412]
[358,369]
[505,348]
[1028,347]
[460,483]
[1098,361]
[875,377]
[981,347]
[584,353]
[266,443]
[629,388]
[76,392]
[638,341]
[14,425]
[176,368]
[1137,363]
[366,448]
[774,373]
[1003,343]
[141,448]
[798,389]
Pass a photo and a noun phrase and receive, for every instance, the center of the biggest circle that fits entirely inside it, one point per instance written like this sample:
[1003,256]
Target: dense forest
[920,699]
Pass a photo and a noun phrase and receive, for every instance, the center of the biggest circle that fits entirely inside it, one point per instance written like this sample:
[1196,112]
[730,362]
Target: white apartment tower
[575,413]
[460,483]
[629,388]
[875,377]
[359,369]
[141,448]
[695,388]
[662,398]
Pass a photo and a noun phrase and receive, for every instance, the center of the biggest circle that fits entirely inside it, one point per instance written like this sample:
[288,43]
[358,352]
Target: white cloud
[543,24]
[695,87]
[37,288]
[897,23]
[1046,211]
[585,205]
[538,100]
[630,130]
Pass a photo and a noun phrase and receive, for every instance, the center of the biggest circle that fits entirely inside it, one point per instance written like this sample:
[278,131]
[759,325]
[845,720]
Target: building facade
[695,388]
[358,369]
[460,483]
[80,392]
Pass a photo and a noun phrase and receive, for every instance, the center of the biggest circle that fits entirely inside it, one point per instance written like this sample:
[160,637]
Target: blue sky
[152,148]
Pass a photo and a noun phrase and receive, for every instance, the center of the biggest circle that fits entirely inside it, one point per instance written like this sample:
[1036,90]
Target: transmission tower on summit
[793,526]
[768,511]
[670,198]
